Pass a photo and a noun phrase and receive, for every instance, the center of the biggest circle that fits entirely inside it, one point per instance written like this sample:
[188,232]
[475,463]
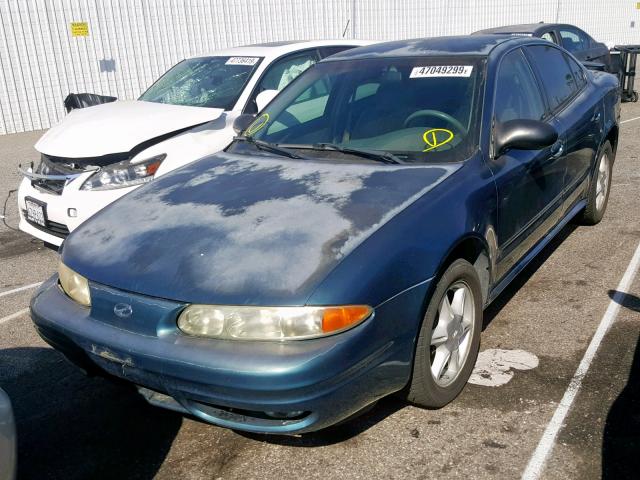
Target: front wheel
[449,338]
[598,195]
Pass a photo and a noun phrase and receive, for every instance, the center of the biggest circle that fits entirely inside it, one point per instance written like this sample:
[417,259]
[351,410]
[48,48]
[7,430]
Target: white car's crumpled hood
[118,127]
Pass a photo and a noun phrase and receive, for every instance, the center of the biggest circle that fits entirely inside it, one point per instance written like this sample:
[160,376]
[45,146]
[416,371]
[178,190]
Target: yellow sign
[79,29]
[436,137]
[638,6]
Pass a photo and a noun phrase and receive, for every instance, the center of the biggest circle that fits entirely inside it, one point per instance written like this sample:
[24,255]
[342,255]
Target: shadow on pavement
[625,299]
[71,426]
[621,439]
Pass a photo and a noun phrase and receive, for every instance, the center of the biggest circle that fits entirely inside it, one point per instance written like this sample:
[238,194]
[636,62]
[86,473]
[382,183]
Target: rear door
[577,114]
[529,182]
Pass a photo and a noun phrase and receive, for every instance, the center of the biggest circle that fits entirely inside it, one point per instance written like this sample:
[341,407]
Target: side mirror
[242,122]
[523,135]
[264,97]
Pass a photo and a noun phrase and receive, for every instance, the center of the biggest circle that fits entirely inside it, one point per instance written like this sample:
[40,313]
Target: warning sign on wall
[79,29]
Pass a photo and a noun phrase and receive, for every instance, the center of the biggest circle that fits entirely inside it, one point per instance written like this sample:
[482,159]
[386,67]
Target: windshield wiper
[384,157]
[267,147]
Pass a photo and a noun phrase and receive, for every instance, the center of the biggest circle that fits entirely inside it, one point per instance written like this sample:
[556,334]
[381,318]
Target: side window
[578,72]
[574,41]
[281,73]
[554,71]
[550,37]
[517,93]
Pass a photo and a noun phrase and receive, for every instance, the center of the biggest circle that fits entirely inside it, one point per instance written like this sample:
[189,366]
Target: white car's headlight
[269,323]
[74,285]
[124,174]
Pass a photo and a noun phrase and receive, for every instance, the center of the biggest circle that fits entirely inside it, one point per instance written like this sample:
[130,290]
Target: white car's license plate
[36,212]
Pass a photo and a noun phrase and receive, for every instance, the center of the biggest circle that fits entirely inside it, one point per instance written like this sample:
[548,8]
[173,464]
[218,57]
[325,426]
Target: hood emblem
[123,310]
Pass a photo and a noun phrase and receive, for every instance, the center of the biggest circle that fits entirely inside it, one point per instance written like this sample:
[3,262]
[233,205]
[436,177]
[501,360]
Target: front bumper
[312,383]
[86,203]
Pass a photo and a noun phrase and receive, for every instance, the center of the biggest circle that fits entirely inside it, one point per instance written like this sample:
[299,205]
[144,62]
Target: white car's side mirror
[264,97]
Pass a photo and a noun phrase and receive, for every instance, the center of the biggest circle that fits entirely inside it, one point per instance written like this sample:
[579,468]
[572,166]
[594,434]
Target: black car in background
[579,43]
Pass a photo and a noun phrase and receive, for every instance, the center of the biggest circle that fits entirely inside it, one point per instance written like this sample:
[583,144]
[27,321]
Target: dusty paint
[495,367]
[234,223]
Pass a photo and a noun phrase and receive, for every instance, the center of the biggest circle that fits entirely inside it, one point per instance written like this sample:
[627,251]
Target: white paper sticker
[242,61]
[441,71]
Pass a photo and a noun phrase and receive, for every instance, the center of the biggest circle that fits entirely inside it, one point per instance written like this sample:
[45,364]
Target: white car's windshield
[214,82]
[418,109]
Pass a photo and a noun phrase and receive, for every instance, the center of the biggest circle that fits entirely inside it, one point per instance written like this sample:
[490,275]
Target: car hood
[118,127]
[232,229]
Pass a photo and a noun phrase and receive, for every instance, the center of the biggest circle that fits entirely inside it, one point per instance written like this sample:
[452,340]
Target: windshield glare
[421,109]
[214,82]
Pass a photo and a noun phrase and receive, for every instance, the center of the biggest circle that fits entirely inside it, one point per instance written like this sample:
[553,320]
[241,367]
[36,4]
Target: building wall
[132,42]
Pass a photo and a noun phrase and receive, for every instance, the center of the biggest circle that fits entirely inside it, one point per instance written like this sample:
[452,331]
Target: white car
[98,154]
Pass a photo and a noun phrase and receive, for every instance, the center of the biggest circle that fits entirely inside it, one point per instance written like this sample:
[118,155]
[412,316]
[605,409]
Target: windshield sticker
[257,124]
[436,137]
[242,61]
[442,71]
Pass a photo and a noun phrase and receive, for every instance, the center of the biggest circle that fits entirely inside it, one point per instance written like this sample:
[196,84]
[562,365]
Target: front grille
[49,166]
[51,186]
[56,229]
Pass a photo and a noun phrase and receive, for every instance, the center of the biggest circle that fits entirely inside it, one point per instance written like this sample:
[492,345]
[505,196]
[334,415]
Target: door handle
[557,150]
[596,117]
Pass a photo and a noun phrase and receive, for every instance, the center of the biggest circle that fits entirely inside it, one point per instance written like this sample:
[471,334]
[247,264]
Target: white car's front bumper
[59,221]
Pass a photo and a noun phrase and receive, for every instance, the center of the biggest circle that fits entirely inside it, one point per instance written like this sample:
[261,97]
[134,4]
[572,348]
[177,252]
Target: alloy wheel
[602,182]
[452,333]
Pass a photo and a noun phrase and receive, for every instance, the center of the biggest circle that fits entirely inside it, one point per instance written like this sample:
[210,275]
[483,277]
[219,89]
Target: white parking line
[536,463]
[20,289]
[13,315]
[630,120]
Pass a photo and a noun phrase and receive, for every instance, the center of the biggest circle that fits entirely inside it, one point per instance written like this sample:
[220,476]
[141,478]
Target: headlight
[74,285]
[124,174]
[269,323]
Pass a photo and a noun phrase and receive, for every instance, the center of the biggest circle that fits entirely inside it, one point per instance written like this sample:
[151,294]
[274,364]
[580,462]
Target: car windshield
[214,82]
[417,109]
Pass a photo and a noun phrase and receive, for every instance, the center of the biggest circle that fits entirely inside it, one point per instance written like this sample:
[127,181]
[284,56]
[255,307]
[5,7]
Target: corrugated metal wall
[131,42]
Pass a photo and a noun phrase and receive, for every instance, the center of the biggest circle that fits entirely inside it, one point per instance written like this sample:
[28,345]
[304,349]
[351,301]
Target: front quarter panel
[410,249]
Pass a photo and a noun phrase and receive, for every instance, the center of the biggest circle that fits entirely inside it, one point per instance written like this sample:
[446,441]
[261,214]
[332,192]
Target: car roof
[463,45]
[277,49]
[528,28]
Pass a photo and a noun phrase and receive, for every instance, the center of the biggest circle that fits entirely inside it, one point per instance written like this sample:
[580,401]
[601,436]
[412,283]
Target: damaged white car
[98,154]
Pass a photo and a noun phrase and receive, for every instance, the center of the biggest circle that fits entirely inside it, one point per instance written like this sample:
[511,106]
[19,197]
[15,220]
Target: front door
[529,182]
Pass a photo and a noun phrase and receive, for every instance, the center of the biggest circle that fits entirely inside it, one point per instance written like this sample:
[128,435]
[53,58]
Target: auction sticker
[441,71]
[243,61]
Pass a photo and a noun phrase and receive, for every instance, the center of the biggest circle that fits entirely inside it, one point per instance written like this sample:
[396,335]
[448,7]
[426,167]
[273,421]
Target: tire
[597,199]
[434,390]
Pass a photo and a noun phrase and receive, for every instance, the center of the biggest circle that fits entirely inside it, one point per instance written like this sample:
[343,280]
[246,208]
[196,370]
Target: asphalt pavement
[536,335]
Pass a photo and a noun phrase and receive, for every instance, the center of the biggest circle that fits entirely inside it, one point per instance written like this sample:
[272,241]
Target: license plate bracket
[36,211]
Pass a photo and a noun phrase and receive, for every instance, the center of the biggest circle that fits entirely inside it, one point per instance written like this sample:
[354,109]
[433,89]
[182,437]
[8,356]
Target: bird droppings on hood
[230,223]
